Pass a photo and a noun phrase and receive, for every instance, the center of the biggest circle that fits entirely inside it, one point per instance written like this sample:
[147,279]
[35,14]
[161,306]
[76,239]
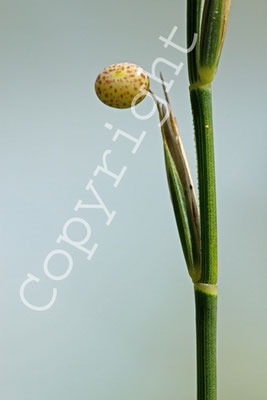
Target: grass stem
[202,115]
[206,289]
[206,317]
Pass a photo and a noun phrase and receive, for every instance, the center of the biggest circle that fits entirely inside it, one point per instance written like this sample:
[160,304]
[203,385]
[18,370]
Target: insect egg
[119,84]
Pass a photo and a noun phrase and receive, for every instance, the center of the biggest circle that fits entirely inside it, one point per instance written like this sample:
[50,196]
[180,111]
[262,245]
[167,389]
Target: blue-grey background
[123,324]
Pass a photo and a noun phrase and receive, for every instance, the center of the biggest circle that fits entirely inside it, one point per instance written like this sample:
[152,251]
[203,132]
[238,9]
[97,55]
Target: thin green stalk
[202,67]
[206,321]
[206,289]
[193,27]
[208,19]
[202,115]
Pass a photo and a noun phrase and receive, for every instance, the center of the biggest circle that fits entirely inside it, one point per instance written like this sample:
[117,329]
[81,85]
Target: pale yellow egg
[119,84]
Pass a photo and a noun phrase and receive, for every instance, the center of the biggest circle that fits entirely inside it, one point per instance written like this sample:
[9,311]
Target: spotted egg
[119,84]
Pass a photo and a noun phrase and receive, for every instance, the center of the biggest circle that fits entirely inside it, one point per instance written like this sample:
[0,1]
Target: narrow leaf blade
[180,209]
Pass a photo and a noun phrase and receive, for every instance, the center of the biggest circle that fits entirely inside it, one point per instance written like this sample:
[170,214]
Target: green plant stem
[206,288]
[206,317]
[193,26]
[202,115]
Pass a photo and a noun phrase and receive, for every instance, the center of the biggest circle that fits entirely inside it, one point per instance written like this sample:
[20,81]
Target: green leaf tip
[210,26]
[213,30]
